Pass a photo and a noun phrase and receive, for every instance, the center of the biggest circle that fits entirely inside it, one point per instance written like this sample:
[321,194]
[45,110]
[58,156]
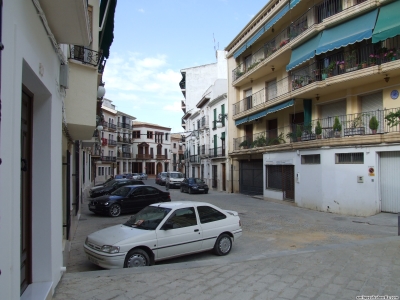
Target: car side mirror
[167,226]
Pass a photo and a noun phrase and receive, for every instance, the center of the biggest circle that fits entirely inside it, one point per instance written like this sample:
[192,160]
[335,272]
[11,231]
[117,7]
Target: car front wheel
[181,189]
[136,258]
[115,210]
[223,245]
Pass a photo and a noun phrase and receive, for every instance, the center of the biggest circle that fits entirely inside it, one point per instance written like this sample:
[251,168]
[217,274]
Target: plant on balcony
[391,54]
[350,59]
[245,144]
[340,63]
[276,140]
[393,118]
[373,124]
[373,58]
[318,130]
[356,126]
[337,127]
[238,73]
[283,43]
[260,141]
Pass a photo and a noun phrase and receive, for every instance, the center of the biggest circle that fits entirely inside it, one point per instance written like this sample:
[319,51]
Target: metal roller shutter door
[389,181]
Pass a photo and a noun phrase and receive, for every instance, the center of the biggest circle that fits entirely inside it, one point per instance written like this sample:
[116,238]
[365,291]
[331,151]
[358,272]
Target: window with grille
[312,159]
[149,134]
[349,158]
[274,177]
[136,134]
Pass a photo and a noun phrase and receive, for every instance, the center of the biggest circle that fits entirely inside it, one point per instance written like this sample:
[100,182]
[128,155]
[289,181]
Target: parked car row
[110,186]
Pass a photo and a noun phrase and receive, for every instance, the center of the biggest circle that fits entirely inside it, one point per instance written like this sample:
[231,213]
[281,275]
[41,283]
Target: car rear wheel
[136,258]
[223,245]
[115,210]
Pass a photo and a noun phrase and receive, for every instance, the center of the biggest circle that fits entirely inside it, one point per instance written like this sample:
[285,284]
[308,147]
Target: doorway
[26,191]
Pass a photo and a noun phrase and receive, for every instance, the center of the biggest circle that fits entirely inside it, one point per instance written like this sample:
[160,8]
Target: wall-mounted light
[386,78]
[101,91]
[317,97]
[272,29]
[272,68]
[220,118]
[99,127]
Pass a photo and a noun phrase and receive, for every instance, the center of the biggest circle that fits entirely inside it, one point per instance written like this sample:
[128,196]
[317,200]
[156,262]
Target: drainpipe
[231,178]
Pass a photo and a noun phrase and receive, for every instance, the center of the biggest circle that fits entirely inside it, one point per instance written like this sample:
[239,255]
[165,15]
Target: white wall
[26,47]
[333,187]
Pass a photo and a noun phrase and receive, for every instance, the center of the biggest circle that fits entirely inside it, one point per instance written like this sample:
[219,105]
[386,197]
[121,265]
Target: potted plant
[238,73]
[337,127]
[340,63]
[244,144]
[364,64]
[260,141]
[373,124]
[299,132]
[350,61]
[330,68]
[372,59]
[318,130]
[393,118]
[356,126]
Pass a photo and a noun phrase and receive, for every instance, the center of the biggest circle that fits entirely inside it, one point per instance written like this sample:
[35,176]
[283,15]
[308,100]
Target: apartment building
[151,148]
[177,153]
[313,88]
[48,107]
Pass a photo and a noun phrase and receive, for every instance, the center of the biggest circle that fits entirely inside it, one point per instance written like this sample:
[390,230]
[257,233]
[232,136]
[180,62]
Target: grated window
[312,159]
[349,158]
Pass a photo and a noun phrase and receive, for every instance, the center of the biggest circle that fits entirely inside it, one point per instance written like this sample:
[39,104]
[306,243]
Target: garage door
[251,177]
[389,181]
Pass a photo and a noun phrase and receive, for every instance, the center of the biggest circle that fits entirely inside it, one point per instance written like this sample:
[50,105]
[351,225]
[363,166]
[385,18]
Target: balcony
[110,126]
[204,122]
[183,106]
[217,152]
[84,55]
[112,142]
[124,155]
[68,20]
[204,150]
[124,125]
[343,66]
[160,156]
[355,130]
[194,159]
[144,156]
[124,140]
[108,158]
[325,13]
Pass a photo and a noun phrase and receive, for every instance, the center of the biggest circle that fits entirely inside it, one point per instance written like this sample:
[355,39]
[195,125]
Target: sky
[155,39]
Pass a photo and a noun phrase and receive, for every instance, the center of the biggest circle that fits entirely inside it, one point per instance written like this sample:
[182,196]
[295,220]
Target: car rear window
[208,214]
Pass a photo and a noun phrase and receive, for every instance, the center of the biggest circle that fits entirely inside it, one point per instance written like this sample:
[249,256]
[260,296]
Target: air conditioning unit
[64,76]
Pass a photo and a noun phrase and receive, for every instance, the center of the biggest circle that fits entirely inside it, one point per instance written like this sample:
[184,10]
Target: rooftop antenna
[216,47]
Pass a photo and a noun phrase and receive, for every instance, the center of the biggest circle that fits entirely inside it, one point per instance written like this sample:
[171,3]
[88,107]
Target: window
[349,158]
[149,134]
[215,119]
[136,134]
[312,159]
[223,113]
[100,171]
[174,145]
[208,214]
[166,136]
[183,217]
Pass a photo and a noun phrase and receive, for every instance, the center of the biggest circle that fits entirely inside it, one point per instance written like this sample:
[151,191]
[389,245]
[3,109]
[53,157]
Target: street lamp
[220,119]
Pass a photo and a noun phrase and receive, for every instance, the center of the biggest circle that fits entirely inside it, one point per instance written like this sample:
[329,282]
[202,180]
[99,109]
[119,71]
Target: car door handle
[196,230]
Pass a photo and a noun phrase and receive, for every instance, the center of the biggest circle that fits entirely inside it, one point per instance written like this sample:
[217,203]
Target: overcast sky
[155,39]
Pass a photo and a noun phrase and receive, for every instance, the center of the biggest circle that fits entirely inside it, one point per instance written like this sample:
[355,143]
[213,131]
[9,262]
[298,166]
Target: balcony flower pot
[364,65]
[324,76]
[373,124]
[337,127]
[318,130]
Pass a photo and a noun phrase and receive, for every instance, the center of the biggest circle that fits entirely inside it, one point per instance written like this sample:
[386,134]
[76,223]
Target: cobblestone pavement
[285,252]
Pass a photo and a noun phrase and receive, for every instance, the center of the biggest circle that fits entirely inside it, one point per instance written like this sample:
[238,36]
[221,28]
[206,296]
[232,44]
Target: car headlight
[106,203]
[195,187]
[110,249]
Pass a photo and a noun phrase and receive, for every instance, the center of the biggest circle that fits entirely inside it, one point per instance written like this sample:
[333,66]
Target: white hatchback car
[162,231]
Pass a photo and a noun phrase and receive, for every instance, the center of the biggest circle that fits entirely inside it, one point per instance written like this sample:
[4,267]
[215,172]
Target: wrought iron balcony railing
[85,55]
[160,156]
[112,142]
[109,158]
[124,155]
[194,159]
[315,15]
[336,64]
[144,156]
[351,125]
[217,152]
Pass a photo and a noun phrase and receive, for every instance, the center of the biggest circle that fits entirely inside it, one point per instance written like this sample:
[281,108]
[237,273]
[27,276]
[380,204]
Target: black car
[107,181]
[111,186]
[194,185]
[126,199]
[161,178]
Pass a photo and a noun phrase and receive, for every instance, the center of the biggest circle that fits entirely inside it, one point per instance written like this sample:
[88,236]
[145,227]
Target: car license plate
[93,260]
[92,206]
[201,189]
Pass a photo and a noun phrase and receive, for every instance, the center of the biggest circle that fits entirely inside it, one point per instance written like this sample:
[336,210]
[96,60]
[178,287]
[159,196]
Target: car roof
[182,204]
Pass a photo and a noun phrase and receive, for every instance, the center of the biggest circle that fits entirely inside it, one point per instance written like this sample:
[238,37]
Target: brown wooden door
[249,133]
[272,128]
[26,192]
[223,177]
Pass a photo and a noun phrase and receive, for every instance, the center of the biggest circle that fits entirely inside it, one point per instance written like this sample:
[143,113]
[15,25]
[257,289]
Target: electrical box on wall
[360,179]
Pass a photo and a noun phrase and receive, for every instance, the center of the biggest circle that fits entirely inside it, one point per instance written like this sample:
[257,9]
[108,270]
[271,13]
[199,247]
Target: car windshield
[110,183]
[122,191]
[148,218]
[176,175]
[198,181]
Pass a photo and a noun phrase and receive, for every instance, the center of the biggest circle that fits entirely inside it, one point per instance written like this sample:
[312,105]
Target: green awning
[222,135]
[388,24]
[304,52]
[349,32]
[106,36]
[265,112]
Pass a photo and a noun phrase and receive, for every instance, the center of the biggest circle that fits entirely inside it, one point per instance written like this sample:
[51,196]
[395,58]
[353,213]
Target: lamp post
[220,119]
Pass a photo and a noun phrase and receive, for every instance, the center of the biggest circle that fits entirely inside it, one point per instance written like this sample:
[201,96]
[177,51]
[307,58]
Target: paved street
[285,252]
